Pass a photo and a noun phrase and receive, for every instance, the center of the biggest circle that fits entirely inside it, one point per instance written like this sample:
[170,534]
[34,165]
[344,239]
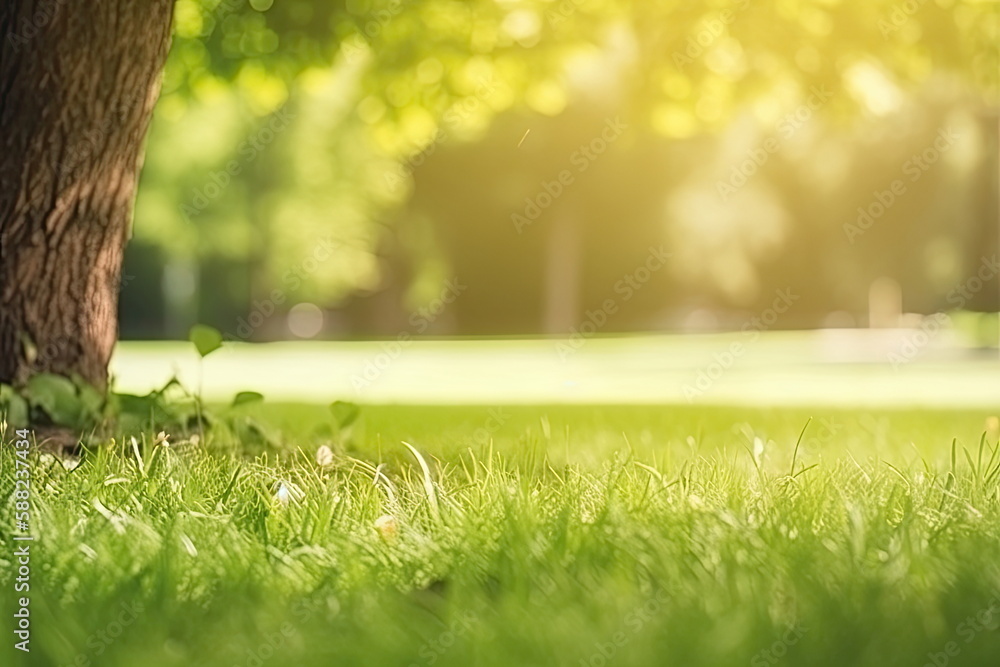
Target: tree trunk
[78,81]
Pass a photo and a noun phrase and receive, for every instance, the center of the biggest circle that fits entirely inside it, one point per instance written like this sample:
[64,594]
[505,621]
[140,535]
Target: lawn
[564,535]
[804,368]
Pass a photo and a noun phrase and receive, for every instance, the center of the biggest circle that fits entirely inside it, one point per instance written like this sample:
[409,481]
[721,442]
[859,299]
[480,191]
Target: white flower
[324,456]
[288,493]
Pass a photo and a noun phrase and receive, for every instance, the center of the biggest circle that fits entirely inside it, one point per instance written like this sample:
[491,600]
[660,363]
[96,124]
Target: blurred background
[384,168]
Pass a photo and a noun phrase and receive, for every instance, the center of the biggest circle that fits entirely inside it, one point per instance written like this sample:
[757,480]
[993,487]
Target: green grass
[805,368]
[586,535]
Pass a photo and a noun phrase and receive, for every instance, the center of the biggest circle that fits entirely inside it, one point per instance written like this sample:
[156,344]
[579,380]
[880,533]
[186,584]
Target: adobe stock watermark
[356,48]
[723,361]
[776,652]
[932,325]
[420,320]
[916,341]
[30,26]
[273,642]
[632,624]
[291,280]
[22,538]
[882,200]
[432,650]
[495,419]
[898,16]
[101,641]
[225,8]
[248,149]
[709,30]
[986,619]
[580,160]
[462,110]
[828,428]
[741,174]
[562,10]
[625,288]
[962,293]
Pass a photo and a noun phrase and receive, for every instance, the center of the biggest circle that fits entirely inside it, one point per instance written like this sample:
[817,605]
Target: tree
[78,81]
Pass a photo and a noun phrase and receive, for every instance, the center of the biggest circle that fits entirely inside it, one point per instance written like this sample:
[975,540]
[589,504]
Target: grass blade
[432,498]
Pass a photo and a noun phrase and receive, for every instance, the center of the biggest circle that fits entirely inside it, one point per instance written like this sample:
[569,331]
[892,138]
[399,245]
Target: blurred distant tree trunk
[78,81]
[986,242]
[562,274]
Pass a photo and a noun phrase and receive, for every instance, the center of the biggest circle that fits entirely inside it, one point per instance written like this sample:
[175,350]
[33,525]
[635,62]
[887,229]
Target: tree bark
[78,81]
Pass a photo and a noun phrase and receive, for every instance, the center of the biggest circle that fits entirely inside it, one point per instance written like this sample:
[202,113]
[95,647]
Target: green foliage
[170,408]
[371,88]
[62,401]
[245,397]
[176,410]
[206,339]
[56,396]
[425,54]
[344,413]
[13,406]
[49,399]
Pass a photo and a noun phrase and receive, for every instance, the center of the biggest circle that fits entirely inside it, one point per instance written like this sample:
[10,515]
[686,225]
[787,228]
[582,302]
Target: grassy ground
[585,535]
[804,368]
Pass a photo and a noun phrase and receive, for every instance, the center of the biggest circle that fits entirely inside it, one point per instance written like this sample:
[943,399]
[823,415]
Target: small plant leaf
[245,397]
[13,406]
[146,409]
[92,401]
[206,339]
[344,413]
[56,396]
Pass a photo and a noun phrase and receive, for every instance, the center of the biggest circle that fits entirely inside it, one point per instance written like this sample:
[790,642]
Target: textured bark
[78,80]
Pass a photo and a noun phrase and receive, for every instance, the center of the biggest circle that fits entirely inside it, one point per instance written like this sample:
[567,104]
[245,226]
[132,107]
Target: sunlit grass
[547,541]
[775,368]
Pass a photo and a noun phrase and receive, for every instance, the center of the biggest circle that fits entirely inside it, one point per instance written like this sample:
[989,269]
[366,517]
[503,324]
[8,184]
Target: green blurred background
[365,169]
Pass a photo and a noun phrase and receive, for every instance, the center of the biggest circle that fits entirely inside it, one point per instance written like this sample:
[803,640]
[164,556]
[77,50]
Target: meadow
[520,534]
[499,333]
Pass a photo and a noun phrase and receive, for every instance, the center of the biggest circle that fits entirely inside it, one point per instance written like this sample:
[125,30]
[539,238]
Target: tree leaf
[57,397]
[206,339]
[344,412]
[13,407]
[247,397]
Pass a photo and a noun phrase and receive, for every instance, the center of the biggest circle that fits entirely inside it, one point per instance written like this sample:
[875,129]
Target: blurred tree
[70,69]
